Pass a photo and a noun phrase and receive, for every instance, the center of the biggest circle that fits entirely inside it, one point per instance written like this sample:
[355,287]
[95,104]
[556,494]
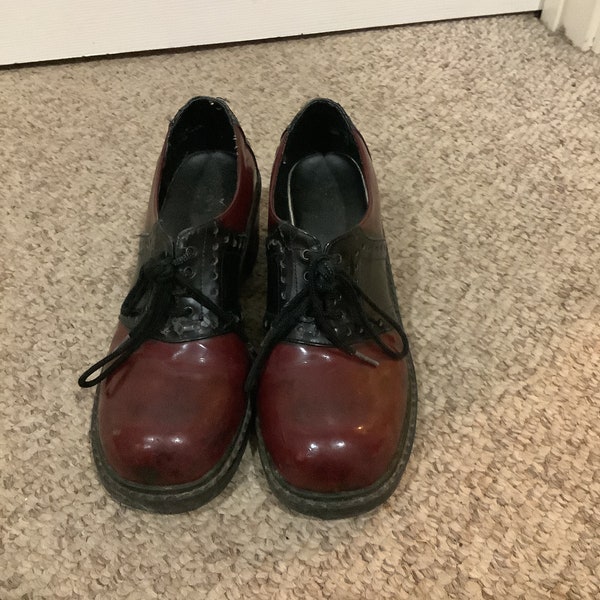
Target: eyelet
[191,251]
[188,311]
[305,276]
[304,254]
[214,276]
[188,272]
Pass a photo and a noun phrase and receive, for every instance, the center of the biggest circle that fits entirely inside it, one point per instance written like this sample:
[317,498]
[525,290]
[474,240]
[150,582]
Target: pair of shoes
[332,389]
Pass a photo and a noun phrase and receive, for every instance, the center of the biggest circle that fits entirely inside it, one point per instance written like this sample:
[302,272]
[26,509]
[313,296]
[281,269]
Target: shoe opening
[320,187]
[199,177]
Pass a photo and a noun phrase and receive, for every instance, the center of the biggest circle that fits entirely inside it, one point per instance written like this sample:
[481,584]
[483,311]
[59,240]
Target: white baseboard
[580,20]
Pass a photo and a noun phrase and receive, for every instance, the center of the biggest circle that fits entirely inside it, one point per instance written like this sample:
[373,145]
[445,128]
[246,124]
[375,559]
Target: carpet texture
[485,135]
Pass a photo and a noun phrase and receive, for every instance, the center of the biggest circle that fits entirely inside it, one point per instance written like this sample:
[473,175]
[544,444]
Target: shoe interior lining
[201,189]
[326,195]
[320,187]
[199,176]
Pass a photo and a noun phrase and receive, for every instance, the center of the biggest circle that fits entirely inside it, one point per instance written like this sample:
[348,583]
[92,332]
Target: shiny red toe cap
[331,423]
[170,413]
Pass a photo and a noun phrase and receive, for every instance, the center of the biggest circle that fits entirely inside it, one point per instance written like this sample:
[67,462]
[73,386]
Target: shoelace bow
[158,278]
[323,281]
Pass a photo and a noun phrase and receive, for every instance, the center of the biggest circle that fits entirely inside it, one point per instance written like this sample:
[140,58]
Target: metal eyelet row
[282,269]
[214,275]
[273,243]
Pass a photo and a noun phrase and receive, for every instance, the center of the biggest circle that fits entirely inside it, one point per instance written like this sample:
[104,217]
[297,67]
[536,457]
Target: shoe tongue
[295,236]
[155,243]
[194,234]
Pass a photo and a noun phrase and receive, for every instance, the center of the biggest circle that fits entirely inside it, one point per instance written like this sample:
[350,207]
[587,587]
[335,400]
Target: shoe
[170,420]
[334,381]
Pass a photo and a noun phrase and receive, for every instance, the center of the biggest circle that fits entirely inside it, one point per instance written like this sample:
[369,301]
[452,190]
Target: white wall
[36,30]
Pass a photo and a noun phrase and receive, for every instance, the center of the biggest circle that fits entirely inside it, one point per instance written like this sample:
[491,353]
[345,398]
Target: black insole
[201,189]
[326,195]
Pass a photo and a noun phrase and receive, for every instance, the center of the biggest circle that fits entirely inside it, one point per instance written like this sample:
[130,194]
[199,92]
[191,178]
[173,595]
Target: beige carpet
[486,136]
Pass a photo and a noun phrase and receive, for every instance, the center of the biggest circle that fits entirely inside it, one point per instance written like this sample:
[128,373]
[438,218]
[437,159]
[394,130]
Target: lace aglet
[367,359]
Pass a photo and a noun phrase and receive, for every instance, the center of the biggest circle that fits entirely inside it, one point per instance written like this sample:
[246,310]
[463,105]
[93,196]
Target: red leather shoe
[170,420]
[335,384]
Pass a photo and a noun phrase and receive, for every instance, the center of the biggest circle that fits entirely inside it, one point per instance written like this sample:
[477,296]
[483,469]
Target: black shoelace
[324,281]
[158,278]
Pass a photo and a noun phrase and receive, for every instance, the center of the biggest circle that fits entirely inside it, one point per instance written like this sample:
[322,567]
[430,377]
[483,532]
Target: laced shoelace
[158,278]
[325,280]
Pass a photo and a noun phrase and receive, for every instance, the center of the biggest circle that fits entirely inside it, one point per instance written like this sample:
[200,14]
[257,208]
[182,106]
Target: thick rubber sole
[347,504]
[170,499]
